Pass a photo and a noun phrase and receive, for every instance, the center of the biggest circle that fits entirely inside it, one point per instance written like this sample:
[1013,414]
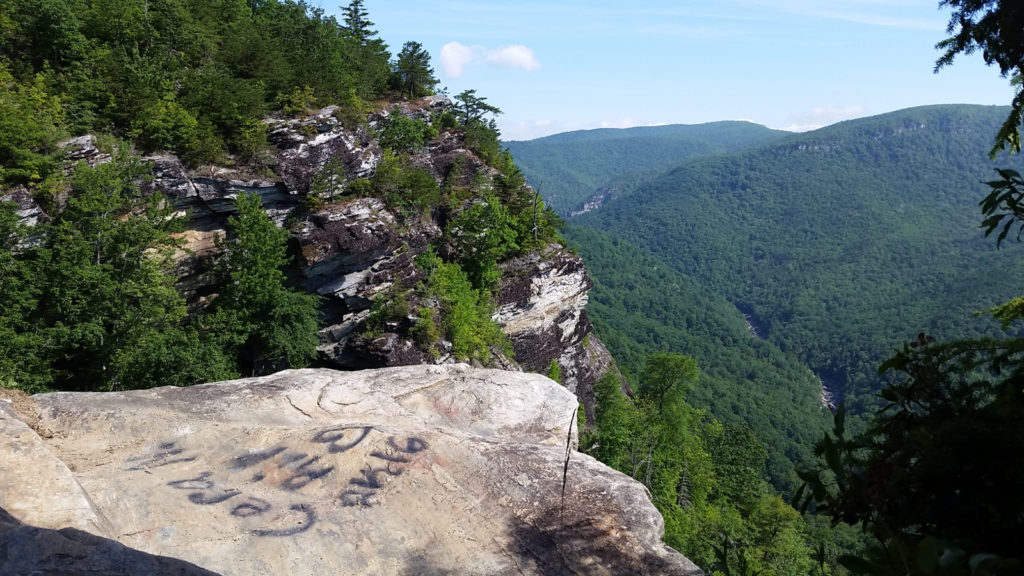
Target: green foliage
[181,75]
[94,287]
[481,236]
[404,134]
[705,479]
[165,124]
[465,312]
[327,183]
[667,374]
[425,330]
[1002,209]
[412,69]
[738,463]
[471,109]
[357,25]
[298,102]
[744,380]
[268,325]
[251,145]
[554,371]
[402,186]
[759,229]
[482,138]
[31,122]
[444,119]
[993,27]
[352,110]
[929,477]
[390,305]
[22,362]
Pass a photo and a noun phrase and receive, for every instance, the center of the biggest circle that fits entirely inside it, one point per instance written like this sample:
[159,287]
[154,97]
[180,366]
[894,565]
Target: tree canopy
[415,74]
[996,28]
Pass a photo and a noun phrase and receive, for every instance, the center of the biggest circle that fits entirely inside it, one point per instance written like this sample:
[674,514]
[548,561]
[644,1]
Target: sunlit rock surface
[412,470]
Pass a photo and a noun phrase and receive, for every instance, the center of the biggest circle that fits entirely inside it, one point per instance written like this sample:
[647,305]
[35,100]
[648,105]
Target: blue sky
[554,66]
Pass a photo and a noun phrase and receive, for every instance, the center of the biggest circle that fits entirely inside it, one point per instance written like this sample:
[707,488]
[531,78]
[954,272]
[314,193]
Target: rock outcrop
[352,249]
[415,470]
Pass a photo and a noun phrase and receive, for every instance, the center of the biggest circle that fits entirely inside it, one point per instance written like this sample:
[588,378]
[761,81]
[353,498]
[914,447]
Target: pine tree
[413,68]
[269,325]
[357,25]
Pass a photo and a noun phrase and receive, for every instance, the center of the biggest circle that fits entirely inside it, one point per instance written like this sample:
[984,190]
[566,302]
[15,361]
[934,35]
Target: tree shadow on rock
[553,546]
[30,550]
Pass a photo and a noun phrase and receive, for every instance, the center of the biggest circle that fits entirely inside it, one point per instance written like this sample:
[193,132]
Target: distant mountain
[840,243]
[639,304]
[573,166]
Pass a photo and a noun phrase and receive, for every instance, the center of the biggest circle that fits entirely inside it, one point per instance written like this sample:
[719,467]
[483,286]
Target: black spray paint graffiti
[371,476]
[166,454]
[302,469]
[332,436]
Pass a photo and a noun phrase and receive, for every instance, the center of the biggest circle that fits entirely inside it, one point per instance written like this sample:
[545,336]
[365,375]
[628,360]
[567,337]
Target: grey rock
[413,470]
[83,149]
[27,210]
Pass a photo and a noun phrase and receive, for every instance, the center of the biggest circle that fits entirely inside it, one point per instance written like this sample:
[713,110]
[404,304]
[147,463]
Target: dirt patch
[22,404]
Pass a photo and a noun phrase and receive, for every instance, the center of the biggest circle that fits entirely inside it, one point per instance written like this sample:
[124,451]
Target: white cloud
[455,57]
[516,56]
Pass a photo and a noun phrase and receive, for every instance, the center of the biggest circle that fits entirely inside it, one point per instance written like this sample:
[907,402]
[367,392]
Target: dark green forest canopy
[841,242]
[191,76]
[571,167]
[640,305]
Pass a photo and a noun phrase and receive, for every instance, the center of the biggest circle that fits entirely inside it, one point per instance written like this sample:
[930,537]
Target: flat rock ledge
[425,470]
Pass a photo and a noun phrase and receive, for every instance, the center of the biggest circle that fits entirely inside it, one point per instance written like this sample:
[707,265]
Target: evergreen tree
[470,108]
[357,23]
[104,277]
[414,72]
[995,28]
[268,325]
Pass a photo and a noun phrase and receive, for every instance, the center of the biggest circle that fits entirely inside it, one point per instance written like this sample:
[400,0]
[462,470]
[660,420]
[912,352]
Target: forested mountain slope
[573,166]
[842,242]
[641,305]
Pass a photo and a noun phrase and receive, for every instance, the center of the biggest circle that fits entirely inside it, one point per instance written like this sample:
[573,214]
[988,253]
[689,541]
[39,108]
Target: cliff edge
[411,470]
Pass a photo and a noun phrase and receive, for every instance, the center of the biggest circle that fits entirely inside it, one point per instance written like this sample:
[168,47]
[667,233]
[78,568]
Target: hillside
[640,304]
[841,243]
[573,166]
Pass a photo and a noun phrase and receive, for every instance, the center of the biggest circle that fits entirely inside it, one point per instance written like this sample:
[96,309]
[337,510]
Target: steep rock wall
[351,250]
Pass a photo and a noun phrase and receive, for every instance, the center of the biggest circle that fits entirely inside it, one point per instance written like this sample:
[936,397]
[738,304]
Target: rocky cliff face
[414,470]
[351,250]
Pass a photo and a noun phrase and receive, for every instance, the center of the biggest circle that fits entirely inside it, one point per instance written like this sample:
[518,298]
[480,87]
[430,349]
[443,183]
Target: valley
[835,247]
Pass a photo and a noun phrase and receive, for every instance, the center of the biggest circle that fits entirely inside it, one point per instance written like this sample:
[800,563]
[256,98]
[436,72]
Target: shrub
[555,371]
[466,313]
[404,187]
[425,330]
[482,235]
[298,102]
[403,134]
[352,110]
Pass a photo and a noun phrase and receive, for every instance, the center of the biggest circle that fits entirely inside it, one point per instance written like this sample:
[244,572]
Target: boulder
[412,470]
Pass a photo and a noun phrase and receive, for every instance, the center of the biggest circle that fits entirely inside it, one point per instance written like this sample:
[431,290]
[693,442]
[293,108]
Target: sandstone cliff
[414,470]
[351,250]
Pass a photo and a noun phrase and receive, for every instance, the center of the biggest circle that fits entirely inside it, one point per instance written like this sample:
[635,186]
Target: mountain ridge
[571,176]
[871,208]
